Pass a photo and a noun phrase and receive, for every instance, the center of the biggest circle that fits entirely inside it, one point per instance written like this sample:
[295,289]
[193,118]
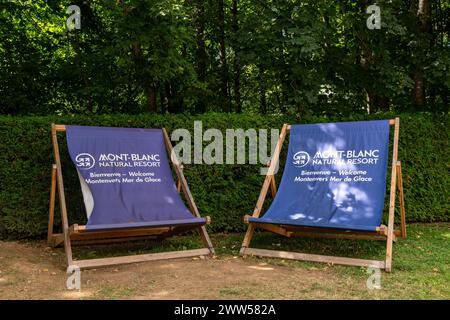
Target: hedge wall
[225,192]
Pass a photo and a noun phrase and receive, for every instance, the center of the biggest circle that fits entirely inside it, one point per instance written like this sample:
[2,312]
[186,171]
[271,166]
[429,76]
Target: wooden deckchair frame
[386,233]
[78,234]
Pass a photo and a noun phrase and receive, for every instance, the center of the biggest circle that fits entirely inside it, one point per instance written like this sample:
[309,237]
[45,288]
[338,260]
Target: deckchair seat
[318,224]
[166,223]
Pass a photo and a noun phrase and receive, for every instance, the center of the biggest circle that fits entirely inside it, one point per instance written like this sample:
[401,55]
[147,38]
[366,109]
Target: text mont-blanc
[129,160]
[336,157]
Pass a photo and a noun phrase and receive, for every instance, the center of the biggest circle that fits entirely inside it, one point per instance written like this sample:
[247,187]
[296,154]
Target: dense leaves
[192,56]
[225,192]
[166,63]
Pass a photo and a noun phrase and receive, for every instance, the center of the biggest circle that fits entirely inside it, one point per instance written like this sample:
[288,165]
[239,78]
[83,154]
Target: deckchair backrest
[125,175]
[335,174]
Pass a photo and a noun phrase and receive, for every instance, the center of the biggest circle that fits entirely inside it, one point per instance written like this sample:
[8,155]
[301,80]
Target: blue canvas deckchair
[128,190]
[333,185]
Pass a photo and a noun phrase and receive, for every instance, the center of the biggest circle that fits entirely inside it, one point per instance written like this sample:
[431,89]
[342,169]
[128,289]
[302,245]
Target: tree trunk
[223,59]
[200,52]
[77,48]
[149,87]
[151,98]
[262,100]
[418,89]
[423,27]
[169,96]
[139,62]
[237,66]
[376,101]
[262,91]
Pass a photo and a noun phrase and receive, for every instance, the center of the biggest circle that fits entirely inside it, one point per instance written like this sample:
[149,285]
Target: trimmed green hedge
[225,192]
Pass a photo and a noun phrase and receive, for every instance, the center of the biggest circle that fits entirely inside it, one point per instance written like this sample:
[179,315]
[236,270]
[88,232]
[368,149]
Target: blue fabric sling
[334,177]
[126,178]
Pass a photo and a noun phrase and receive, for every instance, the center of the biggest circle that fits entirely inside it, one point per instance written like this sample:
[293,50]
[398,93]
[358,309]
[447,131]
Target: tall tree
[201,57]
[223,57]
[237,65]
[422,12]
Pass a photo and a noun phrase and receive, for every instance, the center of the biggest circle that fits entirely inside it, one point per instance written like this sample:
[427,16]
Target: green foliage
[280,56]
[225,192]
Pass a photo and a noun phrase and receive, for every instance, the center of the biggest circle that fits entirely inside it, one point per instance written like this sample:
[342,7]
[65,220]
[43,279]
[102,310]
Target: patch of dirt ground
[34,271]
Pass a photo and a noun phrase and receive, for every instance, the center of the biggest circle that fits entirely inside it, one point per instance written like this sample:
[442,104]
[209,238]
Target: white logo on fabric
[300,159]
[85,161]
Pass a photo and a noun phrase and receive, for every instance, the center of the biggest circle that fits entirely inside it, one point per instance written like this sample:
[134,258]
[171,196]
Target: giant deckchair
[128,190]
[333,186]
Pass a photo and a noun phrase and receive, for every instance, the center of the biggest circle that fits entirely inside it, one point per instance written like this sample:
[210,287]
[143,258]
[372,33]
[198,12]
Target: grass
[420,269]
[113,293]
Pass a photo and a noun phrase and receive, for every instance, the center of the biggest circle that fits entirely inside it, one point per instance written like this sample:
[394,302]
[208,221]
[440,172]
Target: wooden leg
[248,237]
[269,181]
[183,186]
[401,200]
[66,233]
[273,187]
[206,240]
[62,198]
[392,192]
[389,243]
[51,209]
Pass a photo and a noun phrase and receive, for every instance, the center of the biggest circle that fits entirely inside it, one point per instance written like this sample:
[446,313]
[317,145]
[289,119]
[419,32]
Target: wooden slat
[329,230]
[108,241]
[270,172]
[60,128]
[314,258]
[311,232]
[382,230]
[401,197]
[102,262]
[273,228]
[118,233]
[391,122]
[269,176]
[187,193]
[56,239]
[51,207]
[273,187]
[390,231]
[189,198]
[178,180]
[62,198]
[338,236]
[79,233]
